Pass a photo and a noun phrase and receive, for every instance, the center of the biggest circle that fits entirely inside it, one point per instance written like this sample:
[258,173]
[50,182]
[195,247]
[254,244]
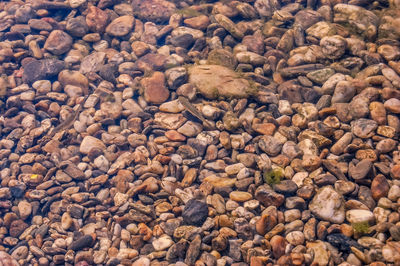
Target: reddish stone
[155,90]
[395,171]
[17,227]
[265,128]
[200,22]
[58,42]
[175,135]
[96,19]
[278,245]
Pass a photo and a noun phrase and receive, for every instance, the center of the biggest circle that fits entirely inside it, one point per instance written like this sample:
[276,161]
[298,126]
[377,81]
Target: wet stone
[154,10]
[120,26]
[58,42]
[155,90]
[195,212]
[42,69]
[81,242]
[327,204]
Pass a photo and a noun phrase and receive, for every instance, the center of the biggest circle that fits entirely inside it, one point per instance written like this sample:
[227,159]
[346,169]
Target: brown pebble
[379,187]
[278,244]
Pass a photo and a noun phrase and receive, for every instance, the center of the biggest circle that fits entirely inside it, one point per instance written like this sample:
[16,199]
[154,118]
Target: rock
[266,8]
[391,251]
[328,205]
[240,196]
[5,193]
[77,26]
[321,75]
[120,199]
[395,232]
[42,69]
[389,52]
[20,253]
[142,261]
[357,16]
[24,13]
[243,229]
[378,112]
[342,242]
[162,243]
[395,171]
[81,243]
[321,29]
[58,42]
[250,58]
[307,17]
[393,105]
[176,77]
[322,254]
[89,143]
[195,212]
[24,209]
[268,197]
[76,3]
[234,249]
[190,129]
[169,121]
[229,26]
[358,107]
[199,22]
[364,128]
[17,227]
[155,90]
[278,245]
[344,92]
[386,145]
[286,187]
[333,46]
[214,81]
[341,144]
[185,40]
[379,187]
[360,170]
[66,221]
[270,145]
[153,10]
[329,86]
[319,140]
[290,91]
[92,63]
[193,251]
[96,19]
[394,193]
[222,57]
[120,26]
[6,259]
[295,238]
[360,216]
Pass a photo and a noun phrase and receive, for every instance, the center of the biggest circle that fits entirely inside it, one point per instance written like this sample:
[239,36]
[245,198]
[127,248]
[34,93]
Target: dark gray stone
[195,212]
[42,69]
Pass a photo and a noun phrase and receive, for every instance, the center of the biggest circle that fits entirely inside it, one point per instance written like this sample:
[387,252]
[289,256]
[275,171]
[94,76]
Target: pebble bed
[166,132]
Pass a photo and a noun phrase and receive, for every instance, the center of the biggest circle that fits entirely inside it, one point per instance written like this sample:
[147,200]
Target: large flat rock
[214,81]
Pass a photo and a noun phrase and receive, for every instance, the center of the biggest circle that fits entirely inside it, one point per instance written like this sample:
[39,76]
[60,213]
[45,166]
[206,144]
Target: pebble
[120,26]
[162,243]
[240,196]
[195,212]
[328,205]
[24,209]
[359,216]
[58,42]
